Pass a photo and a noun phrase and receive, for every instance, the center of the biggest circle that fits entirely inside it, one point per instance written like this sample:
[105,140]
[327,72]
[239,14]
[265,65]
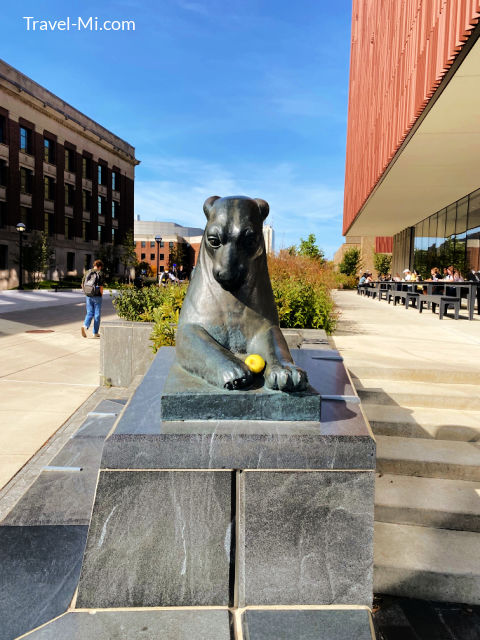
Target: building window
[142,256]
[115,181]
[162,268]
[152,256]
[162,244]
[84,231]
[68,228]
[69,195]
[3,130]
[101,206]
[3,256]
[162,256]
[49,151]
[3,173]
[25,140]
[70,160]
[48,224]
[87,168]
[87,263]
[3,215]
[114,236]
[152,244]
[115,209]
[170,245]
[26,217]
[49,188]
[102,174]
[143,244]
[26,180]
[86,200]
[70,261]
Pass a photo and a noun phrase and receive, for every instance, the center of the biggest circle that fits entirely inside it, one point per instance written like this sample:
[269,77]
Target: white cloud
[178,187]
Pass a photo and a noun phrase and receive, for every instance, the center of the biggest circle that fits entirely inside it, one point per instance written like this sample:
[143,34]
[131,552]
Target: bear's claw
[286,378]
[237,377]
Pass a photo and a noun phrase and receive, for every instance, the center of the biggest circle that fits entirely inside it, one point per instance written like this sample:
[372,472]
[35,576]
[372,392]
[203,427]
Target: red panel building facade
[413,135]
[401,50]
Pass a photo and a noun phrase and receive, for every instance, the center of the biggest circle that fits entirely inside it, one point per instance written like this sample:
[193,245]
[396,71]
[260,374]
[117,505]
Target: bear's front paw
[236,376]
[285,377]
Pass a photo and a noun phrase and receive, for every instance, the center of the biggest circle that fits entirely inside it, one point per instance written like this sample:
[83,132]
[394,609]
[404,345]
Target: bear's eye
[214,241]
[250,239]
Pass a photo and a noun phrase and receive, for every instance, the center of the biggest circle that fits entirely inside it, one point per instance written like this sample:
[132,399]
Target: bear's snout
[229,279]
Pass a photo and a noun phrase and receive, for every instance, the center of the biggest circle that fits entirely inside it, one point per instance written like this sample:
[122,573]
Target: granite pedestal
[235,513]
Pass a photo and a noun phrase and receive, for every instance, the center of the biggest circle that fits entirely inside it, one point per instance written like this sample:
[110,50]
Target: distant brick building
[174,237]
[61,173]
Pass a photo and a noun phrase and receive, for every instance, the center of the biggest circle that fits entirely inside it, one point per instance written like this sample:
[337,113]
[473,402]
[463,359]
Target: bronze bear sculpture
[229,309]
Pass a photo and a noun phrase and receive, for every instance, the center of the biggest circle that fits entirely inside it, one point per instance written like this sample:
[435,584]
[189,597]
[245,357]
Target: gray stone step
[378,371]
[428,458]
[419,394]
[423,422]
[428,502]
[427,563]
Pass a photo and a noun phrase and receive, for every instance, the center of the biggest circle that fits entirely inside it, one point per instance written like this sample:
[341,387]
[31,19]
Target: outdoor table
[472,288]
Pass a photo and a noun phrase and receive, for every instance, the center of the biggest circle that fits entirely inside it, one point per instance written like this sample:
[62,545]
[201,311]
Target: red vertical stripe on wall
[383,244]
[400,51]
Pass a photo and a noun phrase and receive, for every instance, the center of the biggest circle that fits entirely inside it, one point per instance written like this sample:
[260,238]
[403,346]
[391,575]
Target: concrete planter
[125,351]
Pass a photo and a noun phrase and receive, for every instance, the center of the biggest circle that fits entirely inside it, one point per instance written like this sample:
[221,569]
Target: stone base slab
[187,397]
[211,624]
[139,625]
[308,624]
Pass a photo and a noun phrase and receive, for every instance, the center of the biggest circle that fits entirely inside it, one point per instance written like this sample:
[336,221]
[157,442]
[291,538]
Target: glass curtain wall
[450,236]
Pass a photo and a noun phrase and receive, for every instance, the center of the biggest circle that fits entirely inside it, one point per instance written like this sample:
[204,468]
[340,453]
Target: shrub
[351,263]
[139,304]
[382,263]
[301,288]
[346,282]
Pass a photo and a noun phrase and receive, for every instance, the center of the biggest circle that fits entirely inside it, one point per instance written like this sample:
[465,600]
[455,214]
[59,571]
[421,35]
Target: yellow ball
[255,363]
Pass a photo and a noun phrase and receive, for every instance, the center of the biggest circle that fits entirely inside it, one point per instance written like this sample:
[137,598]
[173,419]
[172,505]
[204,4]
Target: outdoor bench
[443,301]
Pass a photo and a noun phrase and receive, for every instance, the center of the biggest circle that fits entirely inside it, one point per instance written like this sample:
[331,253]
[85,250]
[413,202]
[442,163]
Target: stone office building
[62,173]
[413,140]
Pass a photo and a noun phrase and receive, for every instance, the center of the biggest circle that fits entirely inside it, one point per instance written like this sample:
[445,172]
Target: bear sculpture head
[233,237]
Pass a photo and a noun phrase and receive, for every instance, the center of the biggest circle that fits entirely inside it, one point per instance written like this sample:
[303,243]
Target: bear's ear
[263,206]
[208,205]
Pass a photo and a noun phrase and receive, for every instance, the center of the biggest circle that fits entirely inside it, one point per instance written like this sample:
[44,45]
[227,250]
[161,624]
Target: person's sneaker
[96,335]
[84,333]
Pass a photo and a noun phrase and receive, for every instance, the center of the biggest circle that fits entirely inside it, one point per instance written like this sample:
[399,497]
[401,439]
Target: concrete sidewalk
[387,336]
[44,377]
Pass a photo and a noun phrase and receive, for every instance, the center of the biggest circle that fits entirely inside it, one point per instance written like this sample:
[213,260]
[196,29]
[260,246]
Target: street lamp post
[158,240]
[21,230]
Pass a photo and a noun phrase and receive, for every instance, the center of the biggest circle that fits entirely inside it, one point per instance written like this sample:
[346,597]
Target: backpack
[90,284]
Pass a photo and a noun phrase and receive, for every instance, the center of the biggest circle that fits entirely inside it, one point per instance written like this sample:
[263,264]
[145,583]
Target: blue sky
[219,97]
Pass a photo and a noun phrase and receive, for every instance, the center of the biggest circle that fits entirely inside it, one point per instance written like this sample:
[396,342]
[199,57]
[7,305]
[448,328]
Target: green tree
[143,268]
[351,263]
[382,263]
[128,256]
[308,248]
[178,256]
[38,256]
[108,254]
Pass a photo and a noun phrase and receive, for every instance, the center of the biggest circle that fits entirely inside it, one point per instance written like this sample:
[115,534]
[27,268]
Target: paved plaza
[44,377]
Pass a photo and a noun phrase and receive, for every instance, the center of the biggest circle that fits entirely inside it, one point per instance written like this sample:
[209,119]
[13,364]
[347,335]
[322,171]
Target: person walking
[92,285]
